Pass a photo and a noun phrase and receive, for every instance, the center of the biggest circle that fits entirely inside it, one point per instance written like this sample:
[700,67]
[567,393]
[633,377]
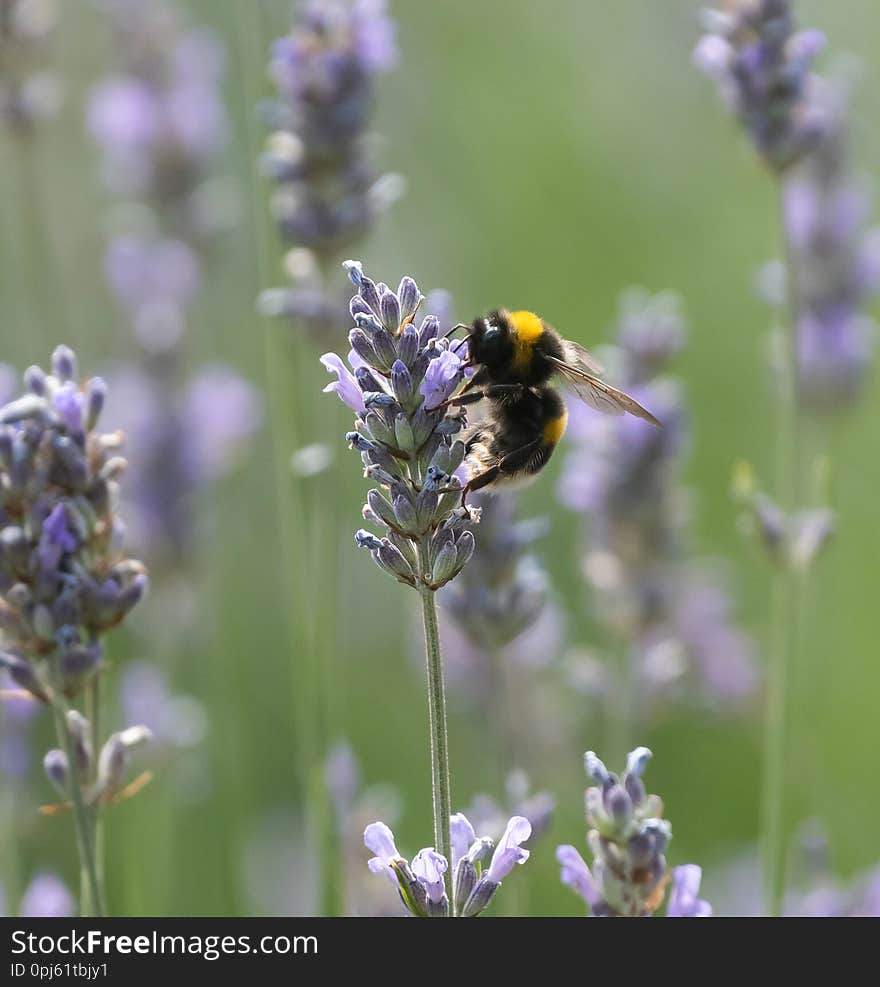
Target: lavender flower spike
[327,192]
[627,838]
[826,208]
[64,580]
[670,609]
[409,449]
[762,65]
[421,883]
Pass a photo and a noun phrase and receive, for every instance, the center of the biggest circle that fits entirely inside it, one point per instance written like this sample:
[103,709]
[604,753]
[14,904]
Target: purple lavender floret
[762,66]
[671,609]
[409,447]
[64,580]
[327,193]
[479,866]
[627,839]
[29,93]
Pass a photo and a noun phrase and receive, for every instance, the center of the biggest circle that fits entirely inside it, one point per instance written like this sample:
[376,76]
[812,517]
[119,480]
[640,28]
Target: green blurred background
[554,154]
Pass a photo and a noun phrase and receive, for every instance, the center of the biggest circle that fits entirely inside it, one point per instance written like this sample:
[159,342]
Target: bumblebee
[516,355]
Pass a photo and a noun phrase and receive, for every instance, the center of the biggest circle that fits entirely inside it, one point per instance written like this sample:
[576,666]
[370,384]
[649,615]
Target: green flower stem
[786,612]
[92,902]
[442,797]
[94,717]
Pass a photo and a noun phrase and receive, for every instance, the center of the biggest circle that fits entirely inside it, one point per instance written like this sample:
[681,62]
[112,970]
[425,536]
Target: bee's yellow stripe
[527,330]
[555,429]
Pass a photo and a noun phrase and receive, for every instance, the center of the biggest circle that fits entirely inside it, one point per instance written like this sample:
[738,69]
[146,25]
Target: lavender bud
[390,310]
[35,381]
[409,295]
[80,734]
[408,346]
[480,897]
[56,768]
[361,344]
[64,363]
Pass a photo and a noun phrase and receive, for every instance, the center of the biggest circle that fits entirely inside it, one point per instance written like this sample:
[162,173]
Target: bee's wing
[576,356]
[601,396]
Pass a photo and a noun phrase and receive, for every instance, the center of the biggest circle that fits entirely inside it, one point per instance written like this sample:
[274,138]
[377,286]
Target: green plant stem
[94,718]
[92,902]
[440,780]
[786,611]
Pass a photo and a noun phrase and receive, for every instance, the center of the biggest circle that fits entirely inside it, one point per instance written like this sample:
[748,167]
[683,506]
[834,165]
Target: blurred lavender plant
[46,896]
[797,122]
[160,124]
[64,581]
[504,590]
[761,65]
[319,155]
[835,264]
[400,377]
[28,93]
[628,839]
[668,612]
[814,891]
[421,884]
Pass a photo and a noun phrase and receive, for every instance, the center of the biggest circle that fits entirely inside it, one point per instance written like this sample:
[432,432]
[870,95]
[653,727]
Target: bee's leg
[466,396]
[515,461]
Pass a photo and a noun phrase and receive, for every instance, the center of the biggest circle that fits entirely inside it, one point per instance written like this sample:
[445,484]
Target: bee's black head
[491,341]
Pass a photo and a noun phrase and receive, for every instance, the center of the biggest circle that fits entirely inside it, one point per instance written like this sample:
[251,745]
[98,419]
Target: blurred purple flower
[123,116]
[179,443]
[327,192]
[28,93]
[17,712]
[624,477]
[47,896]
[538,807]
[837,260]
[224,412]
[159,119]
[174,721]
[144,272]
[762,67]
